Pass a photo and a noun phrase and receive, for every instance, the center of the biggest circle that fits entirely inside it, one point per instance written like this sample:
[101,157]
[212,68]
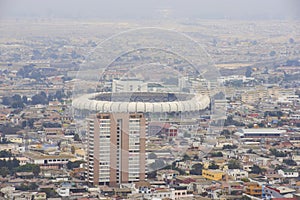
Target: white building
[237,174]
[129,85]
[260,133]
[48,161]
[171,193]
[279,192]
[288,173]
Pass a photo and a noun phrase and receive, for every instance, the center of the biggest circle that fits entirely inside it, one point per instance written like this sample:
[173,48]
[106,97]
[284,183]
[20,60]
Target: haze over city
[150,99]
[153,9]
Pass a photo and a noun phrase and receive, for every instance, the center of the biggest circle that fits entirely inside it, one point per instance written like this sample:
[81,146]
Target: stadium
[144,102]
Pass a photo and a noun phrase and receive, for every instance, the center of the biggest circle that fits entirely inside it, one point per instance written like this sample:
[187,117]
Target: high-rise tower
[116,148]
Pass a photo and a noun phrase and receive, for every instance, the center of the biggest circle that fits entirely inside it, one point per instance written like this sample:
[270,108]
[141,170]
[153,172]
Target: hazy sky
[151,9]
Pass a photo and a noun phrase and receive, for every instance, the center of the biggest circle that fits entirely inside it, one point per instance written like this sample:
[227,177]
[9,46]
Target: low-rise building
[279,192]
[288,173]
[237,174]
[260,133]
[253,189]
[48,161]
[40,196]
[215,175]
[167,174]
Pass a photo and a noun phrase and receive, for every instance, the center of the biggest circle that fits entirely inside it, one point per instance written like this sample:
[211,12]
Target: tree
[225,132]
[230,121]
[250,151]
[234,164]
[39,99]
[186,157]
[196,157]
[278,167]
[43,94]
[228,146]
[217,154]
[152,174]
[272,53]
[248,72]
[4,171]
[27,187]
[35,169]
[73,149]
[5,154]
[25,99]
[76,164]
[245,180]
[76,137]
[290,162]
[6,101]
[15,163]
[23,124]
[17,98]
[196,169]
[30,123]
[50,192]
[213,165]
[59,95]
[256,170]
[245,198]
[277,153]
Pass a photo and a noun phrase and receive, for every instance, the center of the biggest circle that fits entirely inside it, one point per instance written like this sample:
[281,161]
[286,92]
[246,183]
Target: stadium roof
[142,102]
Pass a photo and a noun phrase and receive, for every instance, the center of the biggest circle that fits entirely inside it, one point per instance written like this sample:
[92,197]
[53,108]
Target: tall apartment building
[116,149]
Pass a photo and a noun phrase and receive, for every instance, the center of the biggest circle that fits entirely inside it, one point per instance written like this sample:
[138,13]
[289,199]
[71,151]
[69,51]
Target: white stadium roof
[89,102]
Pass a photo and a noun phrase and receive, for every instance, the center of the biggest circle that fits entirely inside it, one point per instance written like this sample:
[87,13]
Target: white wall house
[288,173]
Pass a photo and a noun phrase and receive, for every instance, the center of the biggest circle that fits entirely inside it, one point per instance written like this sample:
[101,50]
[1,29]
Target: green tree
[30,123]
[5,154]
[35,169]
[50,192]
[76,137]
[234,164]
[277,153]
[290,162]
[76,164]
[278,167]
[73,149]
[245,180]
[230,146]
[4,171]
[24,99]
[257,170]
[152,174]
[225,132]
[27,187]
[217,154]
[245,198]
[213,165]
[272,53]
[15,163]
[39,99]
[248,72]
[196,169]
[186,157]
